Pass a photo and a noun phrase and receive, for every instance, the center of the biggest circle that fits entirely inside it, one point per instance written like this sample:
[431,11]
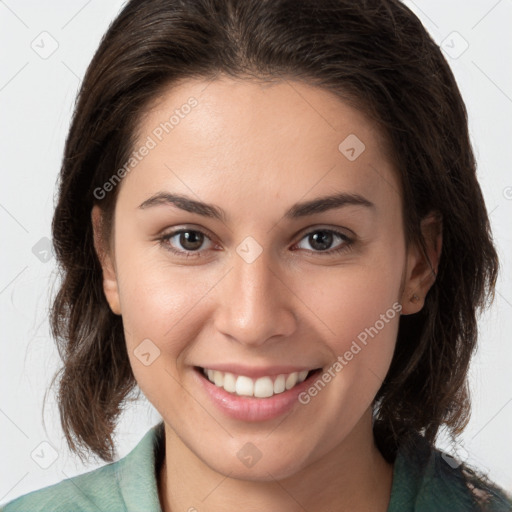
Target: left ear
[421,269]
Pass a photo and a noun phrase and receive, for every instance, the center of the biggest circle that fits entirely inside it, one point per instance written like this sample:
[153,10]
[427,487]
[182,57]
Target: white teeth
[291,380]
[229,382]
[263,387]
[279,384]
[244,386]
[218,378]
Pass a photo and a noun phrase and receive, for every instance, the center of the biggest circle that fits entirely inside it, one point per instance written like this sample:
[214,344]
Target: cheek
[156,301]
[348,299]
[160,306]
[356,309]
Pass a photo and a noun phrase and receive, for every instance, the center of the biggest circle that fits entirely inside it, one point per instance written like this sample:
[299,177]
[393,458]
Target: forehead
[239,137]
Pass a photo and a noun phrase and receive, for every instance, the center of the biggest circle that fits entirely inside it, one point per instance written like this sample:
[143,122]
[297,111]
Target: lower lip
[250,408]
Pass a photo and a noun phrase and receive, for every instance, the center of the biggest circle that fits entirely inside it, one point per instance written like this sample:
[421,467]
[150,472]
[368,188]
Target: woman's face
[228,255]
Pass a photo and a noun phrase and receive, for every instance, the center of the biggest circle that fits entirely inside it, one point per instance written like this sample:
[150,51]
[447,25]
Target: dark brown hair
[373,53]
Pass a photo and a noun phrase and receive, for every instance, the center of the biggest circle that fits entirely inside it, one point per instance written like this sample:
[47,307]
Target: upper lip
[255,372]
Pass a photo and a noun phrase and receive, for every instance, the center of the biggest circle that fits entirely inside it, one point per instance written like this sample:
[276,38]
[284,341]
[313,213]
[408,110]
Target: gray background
[46,47]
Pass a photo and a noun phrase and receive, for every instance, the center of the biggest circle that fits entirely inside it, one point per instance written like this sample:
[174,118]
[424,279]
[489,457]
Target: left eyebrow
[298,210]
[323,204]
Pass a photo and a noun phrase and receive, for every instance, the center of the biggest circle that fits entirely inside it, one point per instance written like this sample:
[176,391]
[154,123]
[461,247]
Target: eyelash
[346,246]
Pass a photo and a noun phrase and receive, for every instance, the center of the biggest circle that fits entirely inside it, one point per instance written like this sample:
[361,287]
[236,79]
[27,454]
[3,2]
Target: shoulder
[427,479]
[83,492]
[488,497]
[129,481]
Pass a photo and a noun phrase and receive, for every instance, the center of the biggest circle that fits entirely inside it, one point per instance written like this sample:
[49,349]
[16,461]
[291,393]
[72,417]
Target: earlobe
[422,266]
[110,285]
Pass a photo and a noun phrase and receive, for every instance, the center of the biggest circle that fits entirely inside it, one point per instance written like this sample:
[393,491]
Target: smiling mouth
[262,387]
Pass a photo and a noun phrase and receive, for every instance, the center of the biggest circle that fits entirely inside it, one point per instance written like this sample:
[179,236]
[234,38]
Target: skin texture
[255,150]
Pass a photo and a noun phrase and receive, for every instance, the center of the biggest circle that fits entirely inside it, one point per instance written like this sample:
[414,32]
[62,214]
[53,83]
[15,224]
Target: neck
[352,477]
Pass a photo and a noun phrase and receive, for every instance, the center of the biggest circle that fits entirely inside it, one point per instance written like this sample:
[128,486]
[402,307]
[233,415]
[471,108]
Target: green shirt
[423,481]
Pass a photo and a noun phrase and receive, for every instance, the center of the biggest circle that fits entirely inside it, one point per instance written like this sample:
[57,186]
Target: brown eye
[190,240]
[321,241]
[183,242]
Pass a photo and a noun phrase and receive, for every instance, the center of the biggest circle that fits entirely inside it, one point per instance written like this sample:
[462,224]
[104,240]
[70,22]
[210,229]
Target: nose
[255,304]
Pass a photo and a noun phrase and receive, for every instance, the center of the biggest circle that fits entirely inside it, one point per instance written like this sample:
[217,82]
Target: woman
[269,221]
